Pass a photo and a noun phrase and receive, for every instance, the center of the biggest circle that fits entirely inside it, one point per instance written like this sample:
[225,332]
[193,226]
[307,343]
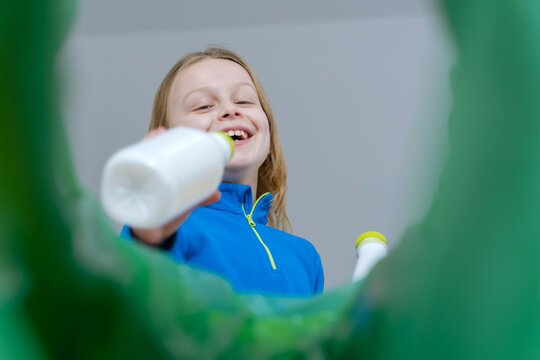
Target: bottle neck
[225,143]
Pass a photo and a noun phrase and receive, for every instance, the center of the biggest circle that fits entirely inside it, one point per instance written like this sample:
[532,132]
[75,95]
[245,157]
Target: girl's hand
[159,130]
[155,237]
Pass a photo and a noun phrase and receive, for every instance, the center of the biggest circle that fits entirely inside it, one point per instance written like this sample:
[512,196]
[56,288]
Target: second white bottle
[149,183]
[370,248]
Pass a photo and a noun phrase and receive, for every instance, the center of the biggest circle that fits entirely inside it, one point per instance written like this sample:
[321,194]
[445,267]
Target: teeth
[240,133]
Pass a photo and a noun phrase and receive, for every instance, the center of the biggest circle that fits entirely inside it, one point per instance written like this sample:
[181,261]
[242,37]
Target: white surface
[151,182]
[368,255]
[357,103]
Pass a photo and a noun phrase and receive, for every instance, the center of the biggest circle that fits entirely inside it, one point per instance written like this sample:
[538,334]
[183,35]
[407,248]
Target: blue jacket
[231,239]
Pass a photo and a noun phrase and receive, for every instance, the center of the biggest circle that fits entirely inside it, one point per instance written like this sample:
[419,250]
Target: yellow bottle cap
[369,236]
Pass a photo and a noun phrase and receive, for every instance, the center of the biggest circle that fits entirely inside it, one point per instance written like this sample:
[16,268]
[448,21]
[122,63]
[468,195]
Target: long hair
[272,176]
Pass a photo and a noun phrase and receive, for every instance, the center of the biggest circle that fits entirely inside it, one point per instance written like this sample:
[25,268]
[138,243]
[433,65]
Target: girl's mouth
[238,136]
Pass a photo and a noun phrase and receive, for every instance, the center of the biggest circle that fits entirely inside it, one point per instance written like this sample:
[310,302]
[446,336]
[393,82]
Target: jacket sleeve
[319,274]
[172,244]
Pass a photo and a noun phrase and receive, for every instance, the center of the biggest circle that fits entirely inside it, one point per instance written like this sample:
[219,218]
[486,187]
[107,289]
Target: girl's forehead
[211,73]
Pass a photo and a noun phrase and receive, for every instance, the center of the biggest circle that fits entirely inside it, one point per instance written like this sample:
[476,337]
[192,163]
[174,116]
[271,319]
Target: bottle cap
[370,236]
[229,140]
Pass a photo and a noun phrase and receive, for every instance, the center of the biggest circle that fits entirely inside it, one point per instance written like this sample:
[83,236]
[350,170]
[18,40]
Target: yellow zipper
[249,217]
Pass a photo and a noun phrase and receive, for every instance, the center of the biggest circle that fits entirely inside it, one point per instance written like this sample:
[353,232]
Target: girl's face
[219,95]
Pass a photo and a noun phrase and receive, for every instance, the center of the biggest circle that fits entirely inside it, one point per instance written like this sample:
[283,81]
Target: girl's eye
[243,102]
[204,107]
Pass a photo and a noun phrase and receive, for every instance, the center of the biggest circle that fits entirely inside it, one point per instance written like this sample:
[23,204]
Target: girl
[242,236]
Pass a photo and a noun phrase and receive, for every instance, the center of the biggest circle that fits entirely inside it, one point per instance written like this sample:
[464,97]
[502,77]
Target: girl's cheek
[199,121]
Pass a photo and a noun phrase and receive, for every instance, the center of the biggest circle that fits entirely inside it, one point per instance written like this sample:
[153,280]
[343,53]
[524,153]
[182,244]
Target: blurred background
[360,92]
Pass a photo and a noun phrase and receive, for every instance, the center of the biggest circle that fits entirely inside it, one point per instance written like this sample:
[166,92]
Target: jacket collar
[234,195]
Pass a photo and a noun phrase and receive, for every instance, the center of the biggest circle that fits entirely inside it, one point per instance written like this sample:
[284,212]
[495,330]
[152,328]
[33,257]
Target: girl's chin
[241,163]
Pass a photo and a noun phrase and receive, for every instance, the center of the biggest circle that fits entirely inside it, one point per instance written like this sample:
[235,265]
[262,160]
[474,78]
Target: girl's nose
[230,112]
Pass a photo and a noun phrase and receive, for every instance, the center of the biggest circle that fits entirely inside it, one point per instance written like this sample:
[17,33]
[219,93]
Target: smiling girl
[240,231]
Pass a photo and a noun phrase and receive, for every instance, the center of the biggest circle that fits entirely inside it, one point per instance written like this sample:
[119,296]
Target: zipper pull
[250,220]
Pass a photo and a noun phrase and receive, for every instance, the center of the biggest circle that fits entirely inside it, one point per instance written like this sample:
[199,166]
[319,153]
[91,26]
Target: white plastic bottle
[370,248]
[147,184]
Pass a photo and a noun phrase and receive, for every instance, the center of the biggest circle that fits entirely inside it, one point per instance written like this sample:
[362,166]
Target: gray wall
[358,102]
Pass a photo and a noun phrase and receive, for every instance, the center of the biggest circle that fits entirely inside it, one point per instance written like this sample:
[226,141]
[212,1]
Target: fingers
[216,195]
[153,237]
[176,222]
[159,130]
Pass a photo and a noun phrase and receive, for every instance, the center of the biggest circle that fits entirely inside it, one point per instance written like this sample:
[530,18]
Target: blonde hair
[272,176]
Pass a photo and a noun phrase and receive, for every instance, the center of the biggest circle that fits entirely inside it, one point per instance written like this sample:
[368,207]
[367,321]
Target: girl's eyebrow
[208,89]
[244,84]
[205,89]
